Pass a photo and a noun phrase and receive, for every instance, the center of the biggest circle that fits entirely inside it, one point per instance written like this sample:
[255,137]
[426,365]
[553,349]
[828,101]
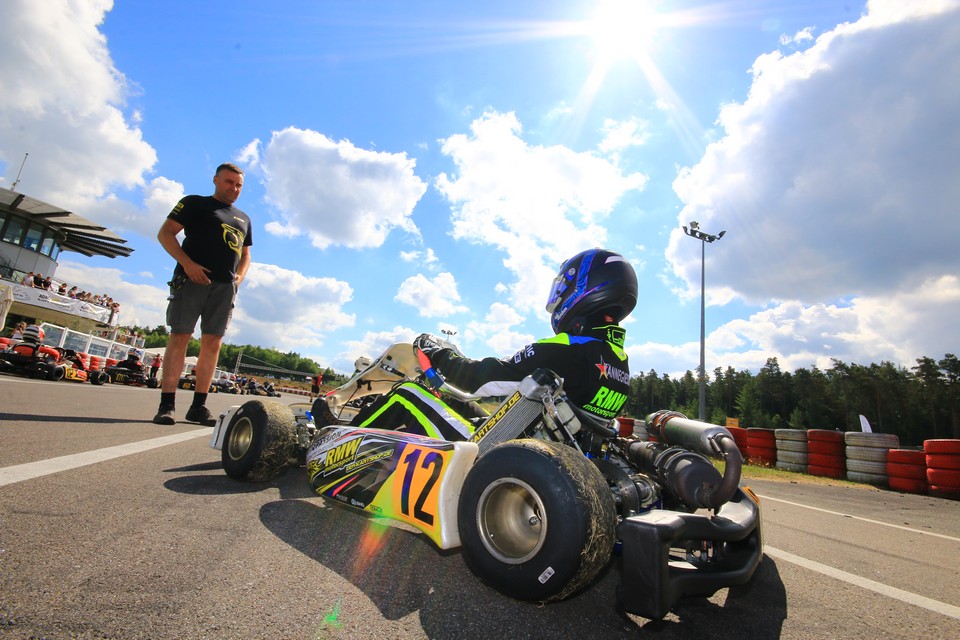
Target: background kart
[50,363]
[190,383]
[124,375]
[539,499]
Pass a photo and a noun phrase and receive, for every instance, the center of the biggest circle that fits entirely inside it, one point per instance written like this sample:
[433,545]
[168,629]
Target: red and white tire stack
[907,470]
[761,447]
[825,453]
[867,456]
[943,467]
[791,449]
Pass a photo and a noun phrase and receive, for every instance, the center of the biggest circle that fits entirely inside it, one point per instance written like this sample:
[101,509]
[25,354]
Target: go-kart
[190,383]
[226,386]
[540,498]
[131,375]
[263,390]
[50,363]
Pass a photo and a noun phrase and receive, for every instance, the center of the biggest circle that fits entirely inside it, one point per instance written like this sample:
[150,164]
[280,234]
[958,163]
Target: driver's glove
[428,344]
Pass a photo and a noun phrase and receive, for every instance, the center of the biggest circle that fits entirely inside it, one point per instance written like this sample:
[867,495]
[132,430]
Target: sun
[623,28]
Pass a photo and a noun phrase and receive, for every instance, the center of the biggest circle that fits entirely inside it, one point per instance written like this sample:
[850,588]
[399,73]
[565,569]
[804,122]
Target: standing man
[155,365]
[211,264]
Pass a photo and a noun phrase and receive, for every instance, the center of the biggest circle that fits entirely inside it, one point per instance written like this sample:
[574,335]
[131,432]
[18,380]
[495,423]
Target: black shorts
[212,304]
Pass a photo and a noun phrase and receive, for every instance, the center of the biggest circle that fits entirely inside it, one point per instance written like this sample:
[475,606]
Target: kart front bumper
[653,581]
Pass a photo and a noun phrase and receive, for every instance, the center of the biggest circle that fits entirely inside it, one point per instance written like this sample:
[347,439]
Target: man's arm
[168,240]
[243,266]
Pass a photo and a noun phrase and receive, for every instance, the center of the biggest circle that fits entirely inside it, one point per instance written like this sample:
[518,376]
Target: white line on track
[30,470]
[865,583]
[847,515]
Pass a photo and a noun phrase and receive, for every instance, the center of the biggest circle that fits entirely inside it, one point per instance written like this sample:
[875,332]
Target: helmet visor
[557,290]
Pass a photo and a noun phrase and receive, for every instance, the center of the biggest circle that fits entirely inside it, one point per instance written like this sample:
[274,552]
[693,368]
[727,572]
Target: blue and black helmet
[589,284]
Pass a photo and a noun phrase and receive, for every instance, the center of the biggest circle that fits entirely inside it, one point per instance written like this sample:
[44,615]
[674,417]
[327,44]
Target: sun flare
[623,28]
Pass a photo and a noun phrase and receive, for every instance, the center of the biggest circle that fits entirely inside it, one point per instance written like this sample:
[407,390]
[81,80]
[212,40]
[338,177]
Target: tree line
[252,356]
[916,404]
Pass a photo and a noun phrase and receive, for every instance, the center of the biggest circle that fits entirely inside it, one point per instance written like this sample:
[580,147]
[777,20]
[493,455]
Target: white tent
[6,299]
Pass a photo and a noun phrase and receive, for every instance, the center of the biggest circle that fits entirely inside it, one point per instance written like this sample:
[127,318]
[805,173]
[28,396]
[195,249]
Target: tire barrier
[791,449]
[943,467]
[825,453]
[867,456]
[95,363]
[740,438]
[907,470]
[761,447]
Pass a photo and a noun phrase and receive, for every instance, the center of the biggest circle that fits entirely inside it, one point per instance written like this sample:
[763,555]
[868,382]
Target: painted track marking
[30,470]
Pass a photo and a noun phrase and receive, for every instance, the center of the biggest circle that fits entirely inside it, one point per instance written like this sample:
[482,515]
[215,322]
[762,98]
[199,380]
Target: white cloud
[835,180]
[620,135]
[537,205]
[285,309]
[495,335]
[836,176]
[371,345]
[142,305]
[62,102]
[335,192]
[431,298]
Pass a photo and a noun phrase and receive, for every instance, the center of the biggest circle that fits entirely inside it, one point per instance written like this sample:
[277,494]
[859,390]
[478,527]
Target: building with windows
[33,234]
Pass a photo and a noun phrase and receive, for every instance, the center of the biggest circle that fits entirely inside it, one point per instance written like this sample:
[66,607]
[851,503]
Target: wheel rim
[241,436]
[512,520]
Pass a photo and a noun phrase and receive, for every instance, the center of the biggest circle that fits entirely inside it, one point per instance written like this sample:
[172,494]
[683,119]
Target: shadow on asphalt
[33,417]
[402,572]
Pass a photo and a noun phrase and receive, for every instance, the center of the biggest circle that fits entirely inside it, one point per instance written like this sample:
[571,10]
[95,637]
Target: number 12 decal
[423,468]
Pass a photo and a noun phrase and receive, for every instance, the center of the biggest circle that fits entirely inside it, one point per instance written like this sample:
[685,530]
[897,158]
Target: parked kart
[50,363]
[541,496]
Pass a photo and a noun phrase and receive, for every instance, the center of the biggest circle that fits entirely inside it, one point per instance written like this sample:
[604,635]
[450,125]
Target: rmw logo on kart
[342,452]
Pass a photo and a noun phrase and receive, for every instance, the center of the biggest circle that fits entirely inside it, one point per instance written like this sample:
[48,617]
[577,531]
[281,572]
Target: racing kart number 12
[419,470]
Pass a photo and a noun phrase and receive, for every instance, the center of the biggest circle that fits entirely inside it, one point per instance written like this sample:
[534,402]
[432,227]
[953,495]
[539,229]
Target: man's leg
[206,365]
[173,359]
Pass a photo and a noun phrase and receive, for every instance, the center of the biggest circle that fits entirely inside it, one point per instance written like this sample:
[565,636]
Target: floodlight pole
[694,232]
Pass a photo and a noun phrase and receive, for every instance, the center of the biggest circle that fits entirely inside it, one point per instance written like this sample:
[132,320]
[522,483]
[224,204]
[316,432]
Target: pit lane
[149,539]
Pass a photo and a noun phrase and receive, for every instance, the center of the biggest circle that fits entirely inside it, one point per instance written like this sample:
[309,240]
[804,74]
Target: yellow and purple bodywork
[406,477]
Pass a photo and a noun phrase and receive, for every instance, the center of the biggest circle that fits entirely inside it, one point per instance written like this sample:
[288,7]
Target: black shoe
[164,416]
[200,413]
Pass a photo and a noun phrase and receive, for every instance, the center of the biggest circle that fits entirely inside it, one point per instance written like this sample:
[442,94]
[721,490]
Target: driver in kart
[593,292]
[133,361]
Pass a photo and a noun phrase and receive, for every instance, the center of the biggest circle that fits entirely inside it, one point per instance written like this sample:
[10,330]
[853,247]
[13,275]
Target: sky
[427,166]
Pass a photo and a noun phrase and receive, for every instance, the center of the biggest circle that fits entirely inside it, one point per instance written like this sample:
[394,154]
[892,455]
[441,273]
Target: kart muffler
[677,460]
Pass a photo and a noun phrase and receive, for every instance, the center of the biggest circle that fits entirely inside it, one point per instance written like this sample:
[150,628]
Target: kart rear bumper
[653,582]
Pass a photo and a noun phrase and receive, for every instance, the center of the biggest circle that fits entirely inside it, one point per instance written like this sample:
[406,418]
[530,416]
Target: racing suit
[593,366]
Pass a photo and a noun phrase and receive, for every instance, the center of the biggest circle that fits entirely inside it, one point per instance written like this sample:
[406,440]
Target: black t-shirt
[214,234]
[594,368]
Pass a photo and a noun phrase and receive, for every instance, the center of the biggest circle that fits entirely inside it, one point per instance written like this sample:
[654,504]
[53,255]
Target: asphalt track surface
[113,527]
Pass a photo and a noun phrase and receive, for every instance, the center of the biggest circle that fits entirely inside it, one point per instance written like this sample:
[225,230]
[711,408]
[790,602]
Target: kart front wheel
[98,378]
[260,441]
[537,520]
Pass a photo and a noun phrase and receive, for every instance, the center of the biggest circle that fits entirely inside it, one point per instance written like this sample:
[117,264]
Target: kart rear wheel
[260,441]
[537,520]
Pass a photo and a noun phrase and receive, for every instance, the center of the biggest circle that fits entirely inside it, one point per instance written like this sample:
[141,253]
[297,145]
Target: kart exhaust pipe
[678,461]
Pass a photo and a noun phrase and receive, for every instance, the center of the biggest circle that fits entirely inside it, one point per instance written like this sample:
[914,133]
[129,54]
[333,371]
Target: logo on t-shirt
[233,237]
